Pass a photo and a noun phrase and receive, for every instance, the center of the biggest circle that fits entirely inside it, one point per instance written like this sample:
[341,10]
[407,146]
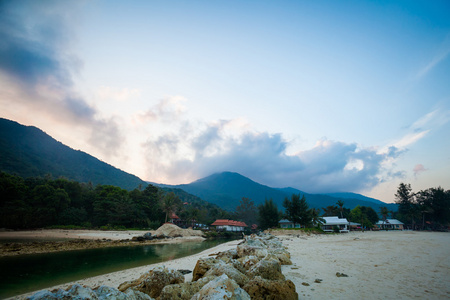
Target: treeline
[426,209]
[296,210]
[42,202]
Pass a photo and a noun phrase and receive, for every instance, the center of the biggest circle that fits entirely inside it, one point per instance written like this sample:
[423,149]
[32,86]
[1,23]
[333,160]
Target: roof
[390,221]
[174,216]
[284,221]
[226,222]
[334,221]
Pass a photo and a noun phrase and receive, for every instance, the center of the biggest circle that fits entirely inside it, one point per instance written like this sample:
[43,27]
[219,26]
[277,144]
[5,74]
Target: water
[26,273]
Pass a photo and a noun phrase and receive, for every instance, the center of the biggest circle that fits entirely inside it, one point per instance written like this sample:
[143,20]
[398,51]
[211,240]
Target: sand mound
[172,230]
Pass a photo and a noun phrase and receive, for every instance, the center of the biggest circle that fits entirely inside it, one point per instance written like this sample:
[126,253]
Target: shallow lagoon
[26,273]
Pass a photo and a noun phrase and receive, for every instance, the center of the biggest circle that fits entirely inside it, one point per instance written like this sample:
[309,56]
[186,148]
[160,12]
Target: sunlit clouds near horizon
[322,96]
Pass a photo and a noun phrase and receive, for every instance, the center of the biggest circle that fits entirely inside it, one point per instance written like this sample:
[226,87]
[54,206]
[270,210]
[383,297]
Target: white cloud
[441,55]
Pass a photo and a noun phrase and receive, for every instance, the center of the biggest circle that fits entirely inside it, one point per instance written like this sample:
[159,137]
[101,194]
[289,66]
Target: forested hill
[227,189]
[29,152]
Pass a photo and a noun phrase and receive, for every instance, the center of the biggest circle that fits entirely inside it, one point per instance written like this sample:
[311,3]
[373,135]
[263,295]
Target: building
[390,224]
[287,224]
[229,225]
[330,223]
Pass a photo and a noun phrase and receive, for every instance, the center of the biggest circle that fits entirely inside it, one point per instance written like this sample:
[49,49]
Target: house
[330,223]
[391,224]
[284,223]
[229,225]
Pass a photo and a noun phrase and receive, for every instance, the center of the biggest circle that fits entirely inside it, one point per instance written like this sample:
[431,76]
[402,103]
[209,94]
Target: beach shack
[229,225]
[284,223]
[330,222]
[390,224]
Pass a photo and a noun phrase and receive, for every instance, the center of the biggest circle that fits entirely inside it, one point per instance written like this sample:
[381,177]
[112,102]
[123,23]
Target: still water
[26,273]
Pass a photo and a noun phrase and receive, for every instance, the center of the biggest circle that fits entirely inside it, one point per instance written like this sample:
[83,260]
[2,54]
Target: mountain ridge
[28,151]
[226,189]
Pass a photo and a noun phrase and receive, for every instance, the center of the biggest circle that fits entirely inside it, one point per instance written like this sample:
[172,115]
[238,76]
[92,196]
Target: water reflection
[22,274]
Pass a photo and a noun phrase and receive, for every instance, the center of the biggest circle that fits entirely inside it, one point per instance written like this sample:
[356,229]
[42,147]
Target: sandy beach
[379,265]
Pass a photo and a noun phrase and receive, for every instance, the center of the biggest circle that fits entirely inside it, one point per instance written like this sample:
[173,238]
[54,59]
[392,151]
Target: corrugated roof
[390,221]
[226,222]
[335,221]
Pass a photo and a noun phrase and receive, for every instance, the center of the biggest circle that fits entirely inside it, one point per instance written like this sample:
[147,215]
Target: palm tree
[330,210]
[340,203]
[169,203]
[384,212]
[315,217]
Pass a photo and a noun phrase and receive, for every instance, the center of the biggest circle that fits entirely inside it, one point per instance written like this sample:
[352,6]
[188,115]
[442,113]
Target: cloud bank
[229,145]
[37,69]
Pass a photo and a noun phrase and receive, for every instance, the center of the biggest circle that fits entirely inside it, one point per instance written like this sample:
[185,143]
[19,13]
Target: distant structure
[229,225]
[390,224]
[328,224]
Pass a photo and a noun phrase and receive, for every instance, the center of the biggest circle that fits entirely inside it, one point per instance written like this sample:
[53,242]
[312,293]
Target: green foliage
[364,215]
[268,215]
[246,211]
[297,210]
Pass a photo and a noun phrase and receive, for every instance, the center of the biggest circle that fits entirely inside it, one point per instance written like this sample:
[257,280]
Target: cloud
[328,166]
[166,110]
[37,69]
[441,54]
[419,168]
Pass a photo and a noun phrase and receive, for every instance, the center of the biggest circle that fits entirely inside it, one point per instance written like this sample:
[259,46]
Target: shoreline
[114,279]
[377,265]
[56,240]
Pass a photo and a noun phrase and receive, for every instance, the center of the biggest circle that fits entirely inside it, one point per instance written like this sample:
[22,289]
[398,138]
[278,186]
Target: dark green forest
[37,202]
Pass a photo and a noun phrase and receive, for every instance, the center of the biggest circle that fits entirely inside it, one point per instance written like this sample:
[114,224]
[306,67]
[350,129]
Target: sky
[322,96]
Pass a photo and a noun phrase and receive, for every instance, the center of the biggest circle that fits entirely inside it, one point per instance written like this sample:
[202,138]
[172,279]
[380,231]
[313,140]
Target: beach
[371,265]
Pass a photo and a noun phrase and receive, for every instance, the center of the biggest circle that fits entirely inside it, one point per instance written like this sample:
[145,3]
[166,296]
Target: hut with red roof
[229,225]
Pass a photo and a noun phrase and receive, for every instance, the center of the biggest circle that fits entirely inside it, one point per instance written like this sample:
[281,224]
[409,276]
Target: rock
[249,261]
[341,275]
[171,230]
[81,292]
[260,288]
[318,280]
[184,290]
[184,272]
[221,287]
[246,250]
[230,271]
[267,269]
[108,293]
[152,282]
[148,236]
[42,295]
[305,283]
[203,265]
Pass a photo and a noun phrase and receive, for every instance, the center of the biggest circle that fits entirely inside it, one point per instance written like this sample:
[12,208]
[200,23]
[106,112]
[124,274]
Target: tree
[169,203]
[405,199]
[246,211]
[315,217]
[268,215]
[384,213]
[297,210]
[330,211]
[364,215]
[340,203]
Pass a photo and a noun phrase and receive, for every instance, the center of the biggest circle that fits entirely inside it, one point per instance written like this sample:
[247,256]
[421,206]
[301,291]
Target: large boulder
[203,265]
[230,271]
[183,291]
[260,288]
[108,293]
[221,287]
[267,269]
[152,282]
[246,250]
[171,230]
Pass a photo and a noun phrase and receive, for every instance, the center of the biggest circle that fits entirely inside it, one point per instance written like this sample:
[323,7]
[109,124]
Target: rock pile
[251,271]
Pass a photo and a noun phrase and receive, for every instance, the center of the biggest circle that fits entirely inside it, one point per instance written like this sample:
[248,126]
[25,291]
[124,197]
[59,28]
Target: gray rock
[221,287]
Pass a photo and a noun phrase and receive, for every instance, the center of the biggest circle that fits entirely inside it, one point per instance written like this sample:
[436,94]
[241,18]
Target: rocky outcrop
[260,288]
[77,291]
[251,271]
[171,231]
[153,282]
[221,287]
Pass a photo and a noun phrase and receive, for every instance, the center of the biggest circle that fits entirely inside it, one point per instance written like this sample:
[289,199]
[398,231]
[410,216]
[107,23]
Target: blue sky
[323,96]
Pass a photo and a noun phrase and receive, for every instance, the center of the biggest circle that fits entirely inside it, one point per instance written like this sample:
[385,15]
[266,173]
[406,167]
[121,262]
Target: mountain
[227,189]
[29,152]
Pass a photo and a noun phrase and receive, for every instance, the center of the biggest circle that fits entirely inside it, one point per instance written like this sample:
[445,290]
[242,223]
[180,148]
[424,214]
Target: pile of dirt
[171,230]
